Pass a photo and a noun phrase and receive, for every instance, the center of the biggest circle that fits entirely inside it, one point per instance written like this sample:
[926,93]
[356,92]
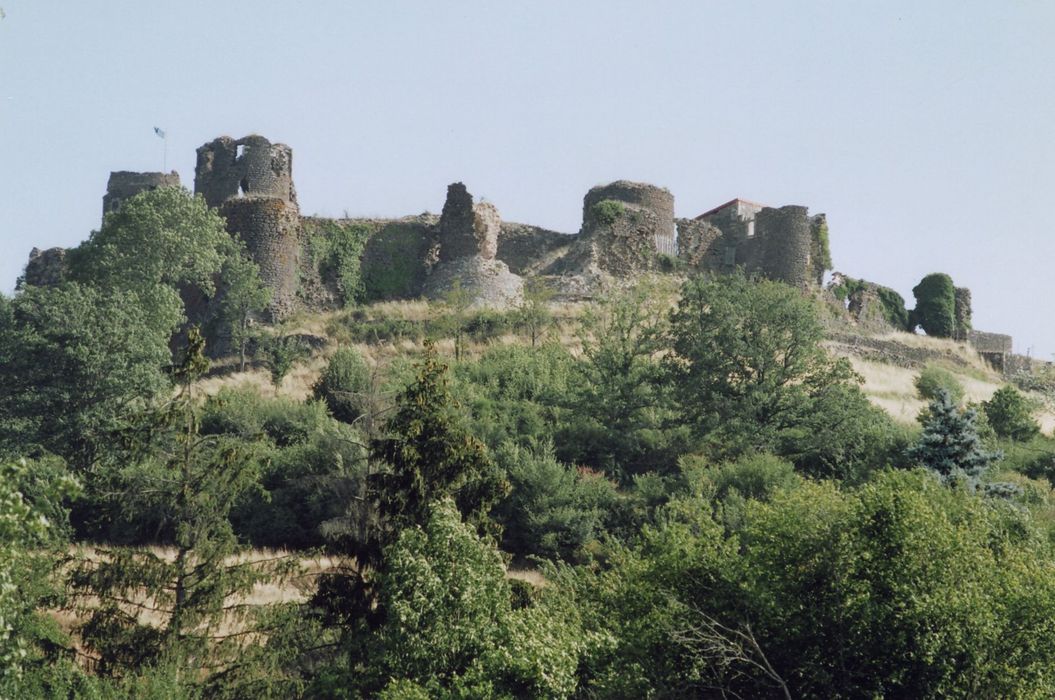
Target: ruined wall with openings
[250,182]
[124,185]
[248,167]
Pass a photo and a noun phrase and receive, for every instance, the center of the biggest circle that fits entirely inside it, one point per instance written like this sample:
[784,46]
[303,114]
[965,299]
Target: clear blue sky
[923,129]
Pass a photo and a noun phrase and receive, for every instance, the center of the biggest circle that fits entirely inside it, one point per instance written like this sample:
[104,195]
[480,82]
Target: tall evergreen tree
[950,444]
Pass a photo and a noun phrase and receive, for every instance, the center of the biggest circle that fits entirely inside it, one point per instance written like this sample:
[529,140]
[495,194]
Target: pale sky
[925,130]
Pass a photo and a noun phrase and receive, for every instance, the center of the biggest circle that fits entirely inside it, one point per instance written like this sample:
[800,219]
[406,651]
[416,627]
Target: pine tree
[950,444]
[146,607]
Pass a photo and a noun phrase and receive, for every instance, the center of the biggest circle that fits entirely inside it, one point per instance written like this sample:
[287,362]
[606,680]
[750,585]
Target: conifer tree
[145,608]
[950,444]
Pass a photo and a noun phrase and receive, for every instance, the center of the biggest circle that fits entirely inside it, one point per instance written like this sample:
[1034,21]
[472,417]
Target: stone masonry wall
[251,166]
[962,313]
[658,201]
[270,230]
[783,236]
[457,236]
[990,342]
[124,184]
[700,244]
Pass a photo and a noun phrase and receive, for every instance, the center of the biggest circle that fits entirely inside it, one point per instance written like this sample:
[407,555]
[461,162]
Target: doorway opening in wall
[243,188]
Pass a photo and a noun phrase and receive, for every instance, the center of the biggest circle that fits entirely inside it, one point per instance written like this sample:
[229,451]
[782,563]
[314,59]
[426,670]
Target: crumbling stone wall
[700,244]
[270,230]
[962,313]
[246,167]
[457,233]
[995,348]
[655,203]
[124,184]
[530,249]
[46,268]
[398,258]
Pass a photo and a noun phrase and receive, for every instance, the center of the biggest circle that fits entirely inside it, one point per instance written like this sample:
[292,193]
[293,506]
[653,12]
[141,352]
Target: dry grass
[893,389]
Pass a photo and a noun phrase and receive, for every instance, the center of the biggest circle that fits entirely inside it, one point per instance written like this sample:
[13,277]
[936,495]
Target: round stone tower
[124,184]
[785,241]
[640,196]
[250,181]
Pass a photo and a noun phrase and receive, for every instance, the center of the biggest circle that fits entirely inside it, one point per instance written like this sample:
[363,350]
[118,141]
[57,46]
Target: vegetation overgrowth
[700,499]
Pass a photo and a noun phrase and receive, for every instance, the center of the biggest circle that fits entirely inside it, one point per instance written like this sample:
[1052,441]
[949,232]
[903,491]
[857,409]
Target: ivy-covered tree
[950,444]
[935,310]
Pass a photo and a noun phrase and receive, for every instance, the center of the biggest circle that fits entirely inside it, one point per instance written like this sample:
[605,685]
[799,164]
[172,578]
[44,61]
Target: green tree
[244,296]
[429,454]
[74,362]
[452,631]
[282,352]
[534,311]
[1010,415]
[617,406]
[950,444]
[457,302]
[898,588]
[31,532]
[157,242]
[747,366]
[935,310]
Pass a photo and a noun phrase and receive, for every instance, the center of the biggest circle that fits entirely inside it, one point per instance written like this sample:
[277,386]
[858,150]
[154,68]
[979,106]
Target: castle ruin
[628,228]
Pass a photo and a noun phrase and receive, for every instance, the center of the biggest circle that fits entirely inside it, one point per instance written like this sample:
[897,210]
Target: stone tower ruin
[125,184]
[468,246]
[778,243]
[250,181]
[657,203]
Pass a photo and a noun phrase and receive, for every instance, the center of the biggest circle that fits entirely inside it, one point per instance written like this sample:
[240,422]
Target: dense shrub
[607,211]
[344,386]
[913,590]
[1010,415]
[933,380]
[553,510]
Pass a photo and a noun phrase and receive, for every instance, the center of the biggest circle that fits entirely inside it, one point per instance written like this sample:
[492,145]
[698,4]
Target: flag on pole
[159,132]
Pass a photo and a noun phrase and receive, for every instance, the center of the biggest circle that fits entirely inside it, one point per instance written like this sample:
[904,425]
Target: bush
[933,380]
[1010,415]
[344,385]
[608,211]
[935,310]
[553,510]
